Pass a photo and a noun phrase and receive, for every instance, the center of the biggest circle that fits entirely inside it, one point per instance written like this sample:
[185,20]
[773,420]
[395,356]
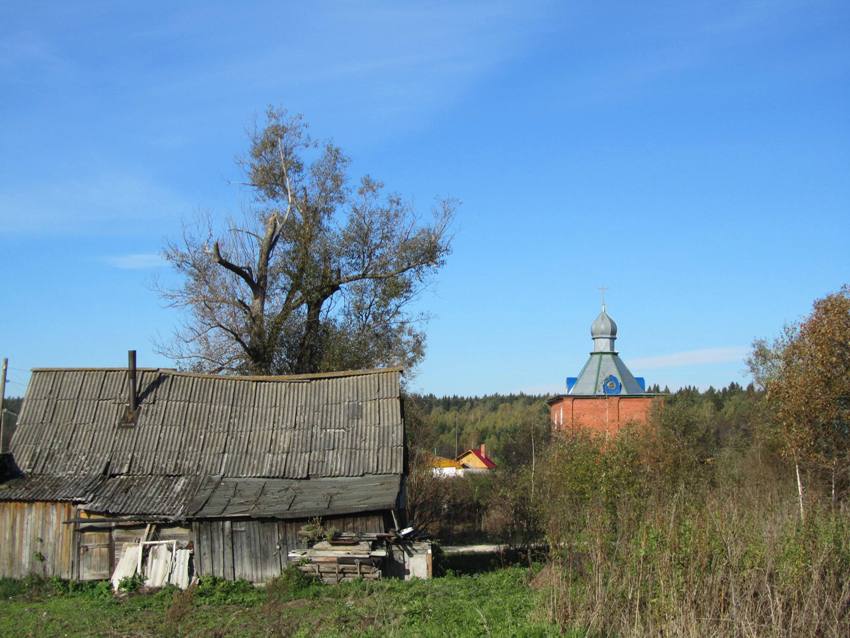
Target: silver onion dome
[603,327]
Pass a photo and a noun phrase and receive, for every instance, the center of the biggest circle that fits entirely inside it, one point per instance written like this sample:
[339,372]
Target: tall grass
[649,540]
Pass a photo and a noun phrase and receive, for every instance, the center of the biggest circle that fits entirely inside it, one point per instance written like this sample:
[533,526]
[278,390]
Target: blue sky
[692,157]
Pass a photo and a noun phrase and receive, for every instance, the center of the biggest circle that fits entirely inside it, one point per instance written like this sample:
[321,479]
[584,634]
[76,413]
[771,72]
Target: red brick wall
[601,414]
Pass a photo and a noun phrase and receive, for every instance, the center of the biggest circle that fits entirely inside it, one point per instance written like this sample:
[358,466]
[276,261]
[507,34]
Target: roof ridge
[286,377]
[482,457]
[104,369]
[255,377]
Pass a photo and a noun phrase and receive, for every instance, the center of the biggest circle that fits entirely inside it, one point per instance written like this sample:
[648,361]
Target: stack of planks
[335,562]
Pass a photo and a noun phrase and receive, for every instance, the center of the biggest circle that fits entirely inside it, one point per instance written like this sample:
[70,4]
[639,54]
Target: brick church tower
[605,395]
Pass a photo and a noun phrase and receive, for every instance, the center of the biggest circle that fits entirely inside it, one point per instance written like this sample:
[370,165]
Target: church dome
[603,326]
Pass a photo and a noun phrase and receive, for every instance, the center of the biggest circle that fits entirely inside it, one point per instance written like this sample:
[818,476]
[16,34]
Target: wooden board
[96,553]
[35,540]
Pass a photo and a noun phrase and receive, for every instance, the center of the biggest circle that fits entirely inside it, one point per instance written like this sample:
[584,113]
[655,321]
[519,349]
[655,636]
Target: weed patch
[499,603]
[212,590]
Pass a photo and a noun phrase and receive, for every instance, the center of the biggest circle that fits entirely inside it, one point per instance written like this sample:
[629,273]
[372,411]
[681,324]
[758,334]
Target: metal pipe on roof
[133,398]
[2,410]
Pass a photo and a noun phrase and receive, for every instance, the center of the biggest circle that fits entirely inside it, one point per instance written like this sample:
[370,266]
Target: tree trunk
[833,485]
[533,462]
[799,490]
[309,352]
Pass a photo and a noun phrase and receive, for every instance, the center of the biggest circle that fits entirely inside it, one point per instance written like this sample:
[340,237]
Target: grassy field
[499,603]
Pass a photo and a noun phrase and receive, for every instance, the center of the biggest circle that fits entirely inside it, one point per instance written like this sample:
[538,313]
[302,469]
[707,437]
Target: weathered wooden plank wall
[256,550]
[34,539]
[95,559]
[101,548]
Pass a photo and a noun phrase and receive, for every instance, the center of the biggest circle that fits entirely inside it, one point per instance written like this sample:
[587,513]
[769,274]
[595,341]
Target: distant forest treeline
[442,425]
[456,423]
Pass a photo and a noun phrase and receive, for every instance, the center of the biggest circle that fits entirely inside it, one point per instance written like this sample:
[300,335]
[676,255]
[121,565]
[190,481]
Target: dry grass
[726,557]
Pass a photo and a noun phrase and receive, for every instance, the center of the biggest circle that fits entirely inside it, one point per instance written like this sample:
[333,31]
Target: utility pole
[3,405]
[457,436]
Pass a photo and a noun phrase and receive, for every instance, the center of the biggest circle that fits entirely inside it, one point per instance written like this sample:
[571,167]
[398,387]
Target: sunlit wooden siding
[34,539]
[256,550]
[96,553]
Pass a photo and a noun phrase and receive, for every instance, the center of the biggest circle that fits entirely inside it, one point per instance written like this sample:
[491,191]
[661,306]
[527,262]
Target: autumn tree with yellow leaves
[806,375]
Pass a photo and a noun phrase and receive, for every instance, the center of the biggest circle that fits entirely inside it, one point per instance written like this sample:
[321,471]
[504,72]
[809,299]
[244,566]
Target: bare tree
[319,276]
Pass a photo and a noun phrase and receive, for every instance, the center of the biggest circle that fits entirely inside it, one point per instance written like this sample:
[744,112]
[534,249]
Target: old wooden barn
[229,468]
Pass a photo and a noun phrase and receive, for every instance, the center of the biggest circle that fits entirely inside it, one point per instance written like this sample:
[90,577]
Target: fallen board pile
[340,562]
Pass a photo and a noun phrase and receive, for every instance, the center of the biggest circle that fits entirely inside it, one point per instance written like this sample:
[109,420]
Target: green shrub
[101,589]
[130,584]
[36,587]
[11,588]
[215,590]
[292,583]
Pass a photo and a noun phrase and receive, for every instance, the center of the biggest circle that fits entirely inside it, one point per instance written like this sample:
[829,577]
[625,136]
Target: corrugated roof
[286,498]
[341,424]
[166,496]
[50,488]
[71,445]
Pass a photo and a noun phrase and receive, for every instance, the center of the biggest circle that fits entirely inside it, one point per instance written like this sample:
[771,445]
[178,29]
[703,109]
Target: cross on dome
[604,373]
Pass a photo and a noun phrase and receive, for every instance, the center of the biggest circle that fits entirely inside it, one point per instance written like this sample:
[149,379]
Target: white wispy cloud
[380,61]
[728,354]
[105,201]
[683,40]
[135,261]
